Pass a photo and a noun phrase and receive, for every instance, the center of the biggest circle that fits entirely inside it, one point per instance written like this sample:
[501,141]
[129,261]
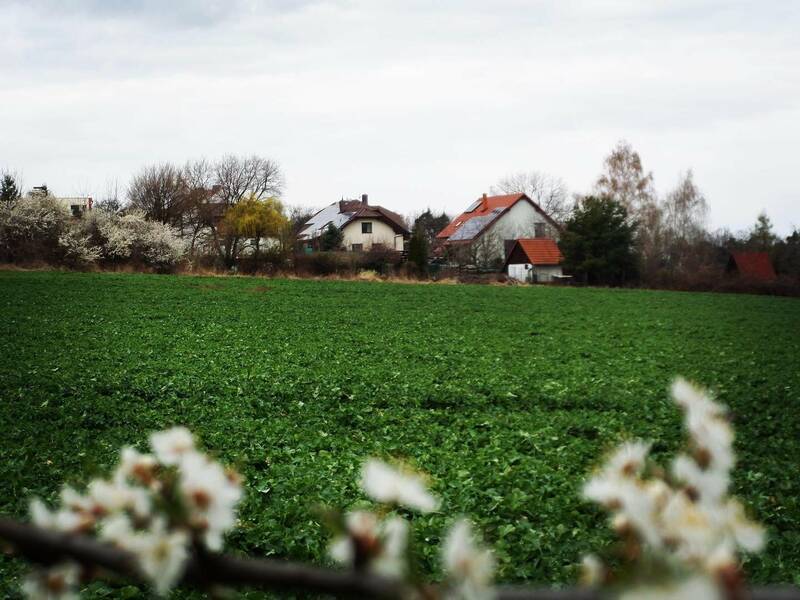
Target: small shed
[534,260]
[751,265]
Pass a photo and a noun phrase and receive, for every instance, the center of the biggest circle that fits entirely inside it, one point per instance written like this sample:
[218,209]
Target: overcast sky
[417,103]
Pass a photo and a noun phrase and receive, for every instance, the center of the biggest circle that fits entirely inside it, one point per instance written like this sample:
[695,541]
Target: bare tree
[625,181]
[686,209]
[548,191]
[159,192]
[241,177]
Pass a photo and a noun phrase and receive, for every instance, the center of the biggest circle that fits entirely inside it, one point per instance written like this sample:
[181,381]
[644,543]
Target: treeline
[624,233]
[224,214]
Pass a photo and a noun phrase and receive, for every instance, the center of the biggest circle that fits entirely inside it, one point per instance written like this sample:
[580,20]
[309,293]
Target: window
[358,247]
[76,210]
[540,230]
[366,227]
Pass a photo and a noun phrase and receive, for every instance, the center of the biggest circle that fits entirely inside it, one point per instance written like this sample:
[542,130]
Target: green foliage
[418,251]
[9,192]
[331,238]
[761,236]
[506,396]
[598,242]
[430,225]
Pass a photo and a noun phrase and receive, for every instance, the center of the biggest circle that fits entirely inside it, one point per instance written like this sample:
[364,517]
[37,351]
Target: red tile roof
[487,205]
[755,265]
[541,251]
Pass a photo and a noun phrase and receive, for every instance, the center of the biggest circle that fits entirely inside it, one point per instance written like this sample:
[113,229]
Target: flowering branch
[48,548]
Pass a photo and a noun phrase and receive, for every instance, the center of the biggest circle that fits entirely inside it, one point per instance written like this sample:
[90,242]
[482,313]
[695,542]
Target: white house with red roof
[481,234]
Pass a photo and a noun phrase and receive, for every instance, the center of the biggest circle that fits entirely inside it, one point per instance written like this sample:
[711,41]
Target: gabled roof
[481,214]
[392,219]
[537,251]
[755,265]
[340,213]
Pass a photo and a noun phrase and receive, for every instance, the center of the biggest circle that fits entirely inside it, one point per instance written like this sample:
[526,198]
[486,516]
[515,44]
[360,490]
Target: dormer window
[366,227]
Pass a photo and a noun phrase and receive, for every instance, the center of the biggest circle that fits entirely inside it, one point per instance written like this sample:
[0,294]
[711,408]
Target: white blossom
[211,495]
[56,583]
[161,554]
[171,445]
[383,545]
[386,484]
[469,567]
[137,466]
[592,570]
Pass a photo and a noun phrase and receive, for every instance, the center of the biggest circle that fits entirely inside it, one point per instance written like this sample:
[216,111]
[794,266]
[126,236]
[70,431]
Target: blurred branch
[203,570]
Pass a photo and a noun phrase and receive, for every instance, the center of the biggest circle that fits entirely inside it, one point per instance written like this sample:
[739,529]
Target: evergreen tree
[598,242]
[418,251]
[9,193]
[430,225]
[761,236]
[331,238]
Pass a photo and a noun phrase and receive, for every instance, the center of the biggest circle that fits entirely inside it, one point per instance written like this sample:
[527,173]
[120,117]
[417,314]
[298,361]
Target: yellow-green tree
[254,219]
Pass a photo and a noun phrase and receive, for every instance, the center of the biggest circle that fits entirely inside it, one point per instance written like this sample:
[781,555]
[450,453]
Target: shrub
[30,229]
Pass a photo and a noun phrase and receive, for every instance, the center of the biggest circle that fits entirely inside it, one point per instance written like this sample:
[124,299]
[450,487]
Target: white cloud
[415,104]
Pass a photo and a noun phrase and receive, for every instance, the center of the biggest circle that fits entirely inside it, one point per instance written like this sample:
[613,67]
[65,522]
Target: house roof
[481,214]
[378,212]
[539,251]
[344,211]
[753,264]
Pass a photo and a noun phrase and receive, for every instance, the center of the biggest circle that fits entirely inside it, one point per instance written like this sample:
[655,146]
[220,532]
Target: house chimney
[484,200]
[364,199]
[90,203]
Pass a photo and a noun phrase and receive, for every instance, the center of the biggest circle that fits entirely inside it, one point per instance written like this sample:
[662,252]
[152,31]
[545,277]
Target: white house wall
[381,234]
[519,221]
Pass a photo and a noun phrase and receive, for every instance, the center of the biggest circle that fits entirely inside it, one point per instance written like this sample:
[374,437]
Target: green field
[506,396]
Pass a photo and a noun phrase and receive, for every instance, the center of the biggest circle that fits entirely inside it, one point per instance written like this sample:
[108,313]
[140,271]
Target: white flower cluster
[685,516]
[381,545]
[154,505]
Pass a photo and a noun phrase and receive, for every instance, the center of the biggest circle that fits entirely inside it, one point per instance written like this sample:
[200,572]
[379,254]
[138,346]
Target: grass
[506,396]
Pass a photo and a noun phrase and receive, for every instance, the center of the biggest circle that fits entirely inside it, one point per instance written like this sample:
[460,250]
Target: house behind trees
[478,236]
[363,227]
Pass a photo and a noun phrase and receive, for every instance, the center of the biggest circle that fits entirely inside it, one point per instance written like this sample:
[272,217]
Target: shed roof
[755,265]
[539,251]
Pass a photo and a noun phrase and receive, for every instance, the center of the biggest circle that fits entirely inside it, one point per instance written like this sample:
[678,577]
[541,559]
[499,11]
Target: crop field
[505,396]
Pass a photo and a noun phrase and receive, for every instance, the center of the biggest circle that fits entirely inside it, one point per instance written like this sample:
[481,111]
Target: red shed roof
[755,265]
[539,251]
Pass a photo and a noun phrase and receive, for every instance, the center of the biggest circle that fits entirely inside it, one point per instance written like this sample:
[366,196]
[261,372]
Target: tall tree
[255,220]
[549,192]
[625,181]
[159,191]
[684,211]
[598,242]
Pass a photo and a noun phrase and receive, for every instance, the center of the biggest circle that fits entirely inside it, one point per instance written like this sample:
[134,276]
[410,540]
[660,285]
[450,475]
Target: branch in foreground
[47,548]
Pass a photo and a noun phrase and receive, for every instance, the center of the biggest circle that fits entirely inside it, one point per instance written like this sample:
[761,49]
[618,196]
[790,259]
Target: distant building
[534,260]
[480,233]
[363,226]
[77,205]
[751,265]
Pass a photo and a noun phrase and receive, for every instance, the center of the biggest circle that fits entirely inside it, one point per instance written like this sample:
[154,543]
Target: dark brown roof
[365,211]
